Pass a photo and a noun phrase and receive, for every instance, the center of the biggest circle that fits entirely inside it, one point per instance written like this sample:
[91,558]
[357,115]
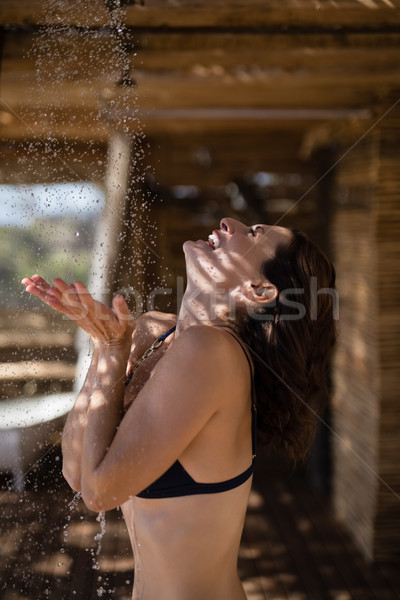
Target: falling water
[54,235]
[73,506]
[101,518]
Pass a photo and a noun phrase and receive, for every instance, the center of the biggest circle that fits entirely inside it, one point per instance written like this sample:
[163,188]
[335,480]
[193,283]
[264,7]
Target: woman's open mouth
[213,241]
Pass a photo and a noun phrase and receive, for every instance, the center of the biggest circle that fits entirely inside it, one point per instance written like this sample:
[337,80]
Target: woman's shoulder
[211,344]
[204,334]
[206,360]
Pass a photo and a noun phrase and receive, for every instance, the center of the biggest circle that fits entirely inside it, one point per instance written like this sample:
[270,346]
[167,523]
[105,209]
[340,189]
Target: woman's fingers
[105,325]
[31,281]
[122,311]
[60,296]
[94,315]
[66,294]
[36,286]
[62,302]
[39,281]
[91,307]
[74,300]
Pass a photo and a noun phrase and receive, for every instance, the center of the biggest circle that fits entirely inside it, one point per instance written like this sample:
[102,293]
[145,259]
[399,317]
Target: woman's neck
[198,307]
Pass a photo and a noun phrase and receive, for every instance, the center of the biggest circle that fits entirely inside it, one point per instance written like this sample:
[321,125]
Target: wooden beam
[218,78]
[24,122]
[276,90]
[158,14]
[91,59]
[85,126]
[255,15]
[271,90]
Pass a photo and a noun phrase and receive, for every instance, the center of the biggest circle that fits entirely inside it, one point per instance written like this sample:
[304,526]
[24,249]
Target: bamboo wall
[387,232]
[366,415]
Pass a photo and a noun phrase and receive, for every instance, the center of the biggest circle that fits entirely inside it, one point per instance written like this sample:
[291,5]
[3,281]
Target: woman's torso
[186,547]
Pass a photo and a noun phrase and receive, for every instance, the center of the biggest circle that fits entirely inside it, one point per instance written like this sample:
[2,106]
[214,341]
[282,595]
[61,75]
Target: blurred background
[128,127]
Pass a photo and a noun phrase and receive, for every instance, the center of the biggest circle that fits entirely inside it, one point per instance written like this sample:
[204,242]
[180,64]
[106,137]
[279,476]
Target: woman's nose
[231,225]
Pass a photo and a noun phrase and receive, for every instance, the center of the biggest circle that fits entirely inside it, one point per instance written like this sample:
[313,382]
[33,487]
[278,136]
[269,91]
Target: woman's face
[234,253]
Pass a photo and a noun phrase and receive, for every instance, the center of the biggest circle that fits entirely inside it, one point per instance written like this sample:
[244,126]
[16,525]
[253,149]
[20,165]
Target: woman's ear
[262,292]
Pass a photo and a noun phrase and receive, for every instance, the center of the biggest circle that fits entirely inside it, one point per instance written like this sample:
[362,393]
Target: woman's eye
[256,230]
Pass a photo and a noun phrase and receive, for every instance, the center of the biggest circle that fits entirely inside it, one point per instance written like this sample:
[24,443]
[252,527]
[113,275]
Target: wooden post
[107,244]
[108,239]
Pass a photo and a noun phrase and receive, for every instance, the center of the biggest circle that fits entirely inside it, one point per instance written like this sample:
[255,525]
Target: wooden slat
[72,74]
[36,370]
[387,215]
[366,416]
[70,53]
[258,90]
[157,13]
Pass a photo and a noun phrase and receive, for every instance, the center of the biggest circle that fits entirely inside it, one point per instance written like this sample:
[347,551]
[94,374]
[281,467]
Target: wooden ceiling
[238,82]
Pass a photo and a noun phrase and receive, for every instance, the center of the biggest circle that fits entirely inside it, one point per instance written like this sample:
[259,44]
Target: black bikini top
[176,481]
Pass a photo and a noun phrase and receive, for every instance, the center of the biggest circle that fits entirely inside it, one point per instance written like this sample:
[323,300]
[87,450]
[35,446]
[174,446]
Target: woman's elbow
[93,502]
[96,496]
[73,480]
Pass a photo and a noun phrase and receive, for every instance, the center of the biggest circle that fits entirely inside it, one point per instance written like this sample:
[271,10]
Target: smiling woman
[175,443]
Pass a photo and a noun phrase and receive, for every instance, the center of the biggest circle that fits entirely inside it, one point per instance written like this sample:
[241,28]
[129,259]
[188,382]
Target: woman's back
[186,547]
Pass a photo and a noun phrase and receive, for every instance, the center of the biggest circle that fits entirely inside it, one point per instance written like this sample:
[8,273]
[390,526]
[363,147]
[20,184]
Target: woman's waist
[213,513]
[186,525]
[196,573]
[198,589]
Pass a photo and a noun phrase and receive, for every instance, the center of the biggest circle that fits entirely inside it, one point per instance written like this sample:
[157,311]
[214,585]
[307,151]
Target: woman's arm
[111,332]
[106,408]
[148,327]
[74,429]
[186,389]
[66,299]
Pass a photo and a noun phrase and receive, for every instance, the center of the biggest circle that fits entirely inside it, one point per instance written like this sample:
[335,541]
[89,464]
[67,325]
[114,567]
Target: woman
[175,447]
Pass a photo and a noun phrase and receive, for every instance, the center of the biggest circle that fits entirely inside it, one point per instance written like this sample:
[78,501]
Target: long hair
[290,342]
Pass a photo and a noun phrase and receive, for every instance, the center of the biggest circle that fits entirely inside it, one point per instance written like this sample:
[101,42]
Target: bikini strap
[166,334]
[253,400]
[149,351]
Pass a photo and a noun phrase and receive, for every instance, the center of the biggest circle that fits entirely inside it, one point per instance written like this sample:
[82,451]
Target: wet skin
[195,406]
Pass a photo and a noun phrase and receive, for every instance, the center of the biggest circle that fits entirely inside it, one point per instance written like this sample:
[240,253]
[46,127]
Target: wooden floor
[52,548]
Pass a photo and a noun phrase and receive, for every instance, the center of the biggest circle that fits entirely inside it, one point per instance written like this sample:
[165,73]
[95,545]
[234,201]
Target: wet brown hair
[290,342]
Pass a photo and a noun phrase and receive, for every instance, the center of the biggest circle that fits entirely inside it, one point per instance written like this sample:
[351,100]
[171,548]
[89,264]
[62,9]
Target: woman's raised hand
[105,326]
